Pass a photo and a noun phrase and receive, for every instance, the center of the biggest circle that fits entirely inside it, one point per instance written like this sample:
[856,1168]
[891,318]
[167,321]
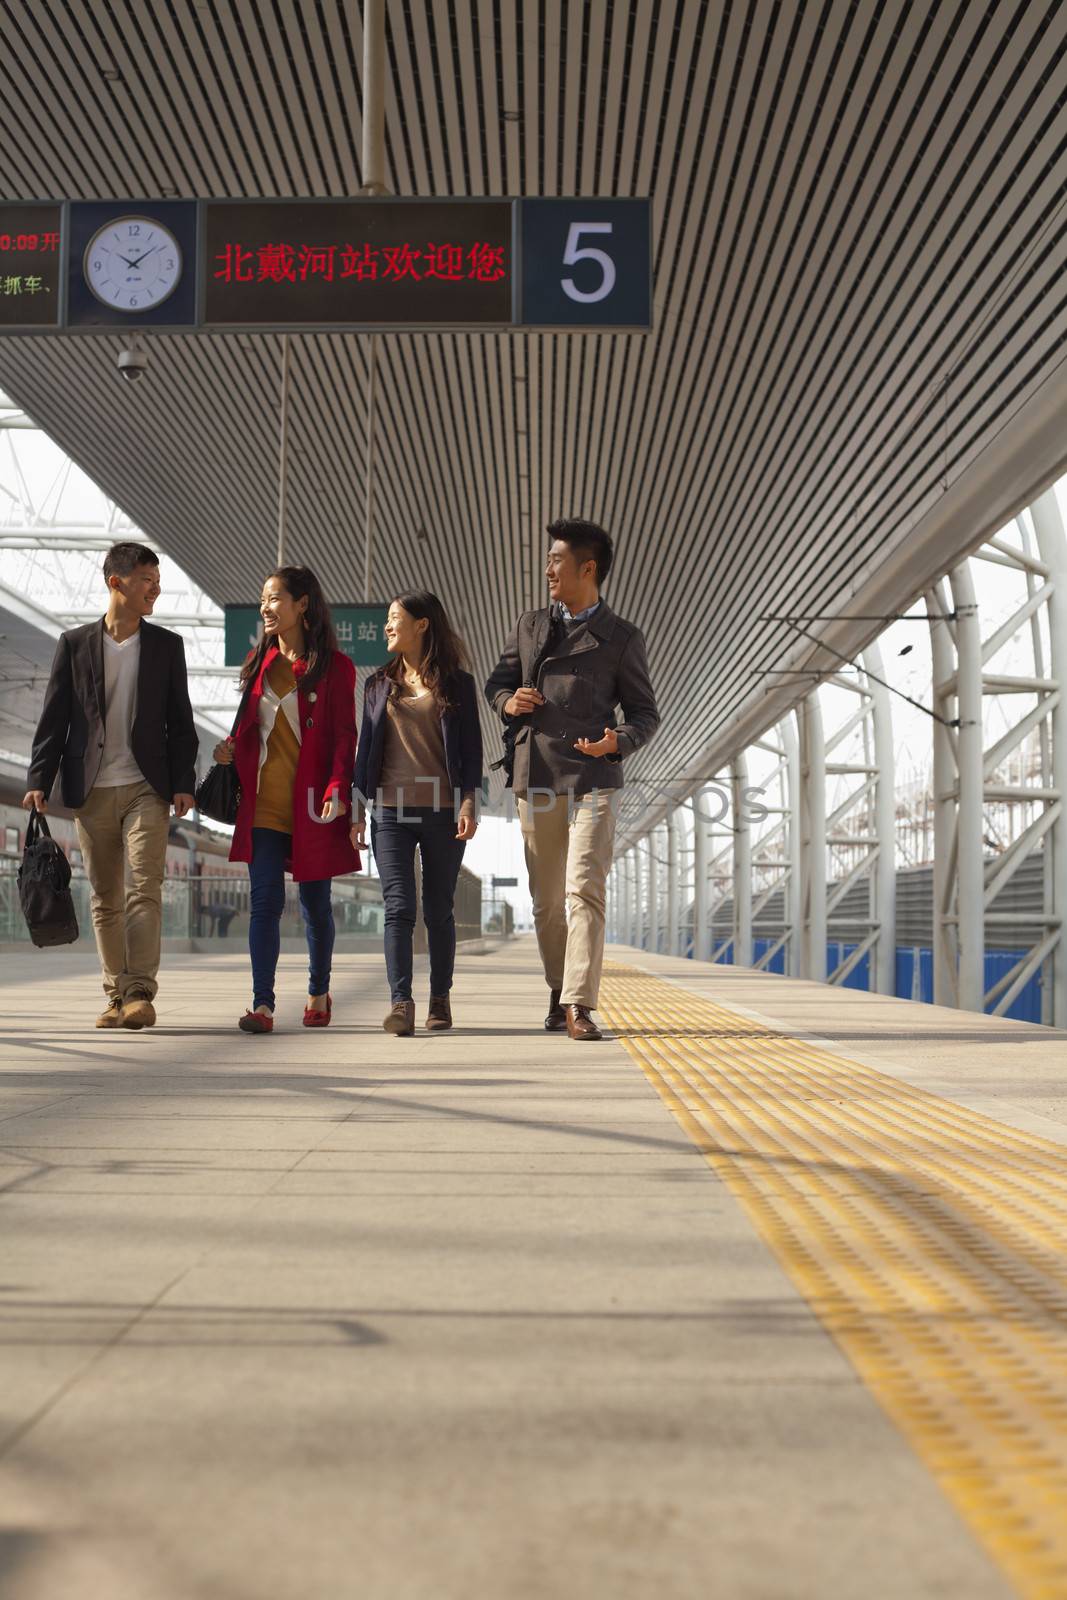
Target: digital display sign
[306,265]
[31,264]
[357,263]
[360,633]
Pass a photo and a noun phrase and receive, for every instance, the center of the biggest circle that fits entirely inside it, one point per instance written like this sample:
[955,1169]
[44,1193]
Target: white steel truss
[721,878]
[775,848]
[995,805]
[822,846]
[860,826]
[54,525]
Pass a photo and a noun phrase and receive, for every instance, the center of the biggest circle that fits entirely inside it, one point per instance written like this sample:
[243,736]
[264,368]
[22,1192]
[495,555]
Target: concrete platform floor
[334,1314]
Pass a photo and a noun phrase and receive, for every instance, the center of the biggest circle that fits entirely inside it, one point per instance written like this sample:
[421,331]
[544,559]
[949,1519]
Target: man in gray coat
[564,671]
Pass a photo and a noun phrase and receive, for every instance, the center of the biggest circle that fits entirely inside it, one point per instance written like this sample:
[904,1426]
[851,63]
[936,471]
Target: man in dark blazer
[563,672]
[118,728]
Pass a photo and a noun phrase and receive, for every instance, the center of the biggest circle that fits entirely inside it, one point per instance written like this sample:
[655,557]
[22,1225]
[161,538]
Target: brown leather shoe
[556,1021]
[439,1014]
[580,1024]
[401,1019]
[110,1018]
[138,1011]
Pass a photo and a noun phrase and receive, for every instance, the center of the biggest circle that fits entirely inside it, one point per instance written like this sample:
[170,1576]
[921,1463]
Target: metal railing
[197,908]
[213,906]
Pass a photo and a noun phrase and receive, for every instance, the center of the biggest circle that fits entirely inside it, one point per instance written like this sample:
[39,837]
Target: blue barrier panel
[837,952]
[1026,1007]
[910,985]
[777,961]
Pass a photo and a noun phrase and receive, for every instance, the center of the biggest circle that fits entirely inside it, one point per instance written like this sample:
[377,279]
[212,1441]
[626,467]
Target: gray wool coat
[585,672]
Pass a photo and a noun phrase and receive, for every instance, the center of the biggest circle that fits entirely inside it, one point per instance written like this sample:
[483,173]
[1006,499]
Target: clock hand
[137,263]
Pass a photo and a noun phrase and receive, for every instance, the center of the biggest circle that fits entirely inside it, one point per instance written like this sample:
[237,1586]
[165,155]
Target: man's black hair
[122,558]
[588,542]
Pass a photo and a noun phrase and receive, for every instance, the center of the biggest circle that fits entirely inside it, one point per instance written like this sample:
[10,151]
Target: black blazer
[70,733]
[461,730]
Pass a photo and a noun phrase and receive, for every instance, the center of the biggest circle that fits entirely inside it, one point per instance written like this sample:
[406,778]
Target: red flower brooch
[300,666]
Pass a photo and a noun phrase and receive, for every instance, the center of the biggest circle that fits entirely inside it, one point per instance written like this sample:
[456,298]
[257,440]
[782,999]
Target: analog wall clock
[132,264]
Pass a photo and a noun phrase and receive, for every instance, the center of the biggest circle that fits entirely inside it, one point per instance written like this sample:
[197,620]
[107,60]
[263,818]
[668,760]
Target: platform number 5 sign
[575,252]
[586,263]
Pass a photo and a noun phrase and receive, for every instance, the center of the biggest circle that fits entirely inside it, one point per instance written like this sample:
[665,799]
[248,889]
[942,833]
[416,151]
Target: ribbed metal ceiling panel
[859,218]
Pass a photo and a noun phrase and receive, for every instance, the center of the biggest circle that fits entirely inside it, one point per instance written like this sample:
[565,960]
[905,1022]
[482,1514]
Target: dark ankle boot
[401,1018]
[439,1014]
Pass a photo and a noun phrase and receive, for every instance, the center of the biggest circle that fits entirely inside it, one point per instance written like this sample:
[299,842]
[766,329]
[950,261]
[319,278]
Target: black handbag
[218,796]
[44,887]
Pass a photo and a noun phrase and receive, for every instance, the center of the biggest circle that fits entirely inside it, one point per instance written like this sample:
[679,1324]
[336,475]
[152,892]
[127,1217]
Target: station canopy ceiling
[859,308]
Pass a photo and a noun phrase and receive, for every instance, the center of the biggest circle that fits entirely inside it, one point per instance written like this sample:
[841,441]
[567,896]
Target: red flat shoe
[255,1022]
[318,1019]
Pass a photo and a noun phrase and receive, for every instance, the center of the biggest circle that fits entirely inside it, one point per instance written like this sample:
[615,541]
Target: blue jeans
[394,835]
[266,872]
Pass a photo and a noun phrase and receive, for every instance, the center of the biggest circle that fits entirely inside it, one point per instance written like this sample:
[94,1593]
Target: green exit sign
[360,633]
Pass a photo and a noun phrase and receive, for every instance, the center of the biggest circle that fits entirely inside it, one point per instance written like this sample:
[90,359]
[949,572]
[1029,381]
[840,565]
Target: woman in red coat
[294,748]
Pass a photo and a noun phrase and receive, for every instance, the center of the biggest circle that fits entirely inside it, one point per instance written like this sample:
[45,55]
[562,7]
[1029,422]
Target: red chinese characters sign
[360,263]
[30,264]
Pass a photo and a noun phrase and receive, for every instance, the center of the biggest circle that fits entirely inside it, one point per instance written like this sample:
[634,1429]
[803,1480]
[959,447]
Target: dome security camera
[132,364]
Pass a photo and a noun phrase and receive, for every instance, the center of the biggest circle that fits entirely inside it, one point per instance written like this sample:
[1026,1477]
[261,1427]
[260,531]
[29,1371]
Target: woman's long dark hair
[319,636]
[444,654]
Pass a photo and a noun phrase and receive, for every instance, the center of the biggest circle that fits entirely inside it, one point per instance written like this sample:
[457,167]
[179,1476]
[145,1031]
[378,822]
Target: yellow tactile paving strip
[931,1242]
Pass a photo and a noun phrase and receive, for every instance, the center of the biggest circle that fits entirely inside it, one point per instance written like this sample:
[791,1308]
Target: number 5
[572,254]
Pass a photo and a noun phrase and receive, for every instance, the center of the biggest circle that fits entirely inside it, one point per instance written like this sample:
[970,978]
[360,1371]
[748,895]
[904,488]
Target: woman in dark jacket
[419,763]
[294,748]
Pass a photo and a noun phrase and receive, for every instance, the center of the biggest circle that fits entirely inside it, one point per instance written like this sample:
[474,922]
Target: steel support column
[794,888]
[742,862]
[374,58]
[374,97]
[283,448]
[942,644]
[701,862]
[640,896]
[812,816]
[652,845]
[969,907]
[674,865]
[1052,548]
[883,887]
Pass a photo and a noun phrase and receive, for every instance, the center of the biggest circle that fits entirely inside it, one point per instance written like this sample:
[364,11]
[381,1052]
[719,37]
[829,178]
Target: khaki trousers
[123,838]
[568,846]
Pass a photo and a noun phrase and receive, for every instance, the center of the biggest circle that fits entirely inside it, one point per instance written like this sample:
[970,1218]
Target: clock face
[132,264]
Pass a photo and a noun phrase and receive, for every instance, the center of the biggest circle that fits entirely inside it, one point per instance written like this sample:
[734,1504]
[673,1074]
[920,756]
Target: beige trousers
[568,846]
[123,838]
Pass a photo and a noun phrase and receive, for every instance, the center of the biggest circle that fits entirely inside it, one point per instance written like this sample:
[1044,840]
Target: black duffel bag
[44,887]
[219,795]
